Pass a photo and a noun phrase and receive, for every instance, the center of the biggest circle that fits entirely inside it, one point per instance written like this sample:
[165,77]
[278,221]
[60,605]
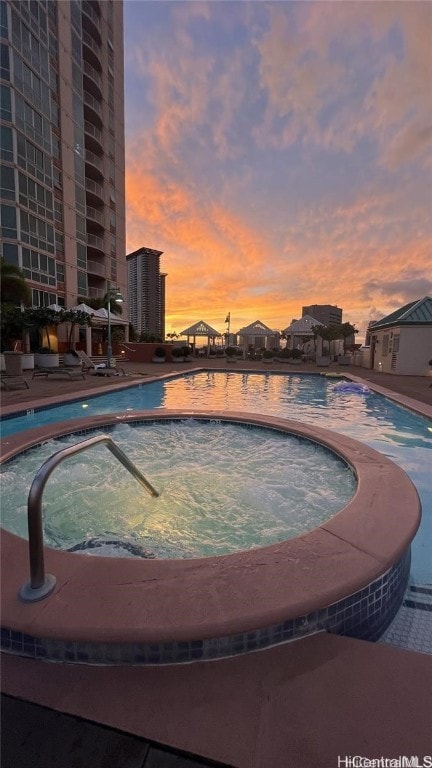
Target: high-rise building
[146,291]
[62,146]
[327,314]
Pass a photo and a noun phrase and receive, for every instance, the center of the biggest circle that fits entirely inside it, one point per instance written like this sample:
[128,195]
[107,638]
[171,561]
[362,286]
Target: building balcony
[96,268]
[91,50]
[93,138]
[96,293]
[93,166]
[95,243]
[94,193]
[92,80]
[92,110]
[91,21]
[96,216]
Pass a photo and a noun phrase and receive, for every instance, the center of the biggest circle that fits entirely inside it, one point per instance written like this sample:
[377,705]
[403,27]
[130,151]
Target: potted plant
[231,355]
[45,320]
[187,353]
[177,354]
[296,356]
[268,356]
[159,355]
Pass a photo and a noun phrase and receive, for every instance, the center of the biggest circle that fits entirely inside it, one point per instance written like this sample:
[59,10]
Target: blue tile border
[365,615]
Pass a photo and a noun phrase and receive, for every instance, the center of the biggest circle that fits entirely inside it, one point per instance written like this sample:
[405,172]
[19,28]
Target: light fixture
[113,294]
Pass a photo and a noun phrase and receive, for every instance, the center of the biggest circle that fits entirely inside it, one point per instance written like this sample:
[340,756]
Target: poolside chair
[13,375]
[87,362]
[98,369]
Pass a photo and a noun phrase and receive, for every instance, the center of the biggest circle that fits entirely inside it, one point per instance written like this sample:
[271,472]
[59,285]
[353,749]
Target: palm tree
[14,289]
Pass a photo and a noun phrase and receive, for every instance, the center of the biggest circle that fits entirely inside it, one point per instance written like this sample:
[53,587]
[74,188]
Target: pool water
[399,433]
[223,488]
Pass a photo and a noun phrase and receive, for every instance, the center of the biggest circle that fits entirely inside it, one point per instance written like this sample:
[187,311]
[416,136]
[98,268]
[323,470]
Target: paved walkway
[307,704]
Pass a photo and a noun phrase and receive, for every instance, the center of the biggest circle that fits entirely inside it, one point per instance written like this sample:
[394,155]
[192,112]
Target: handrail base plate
[31,595]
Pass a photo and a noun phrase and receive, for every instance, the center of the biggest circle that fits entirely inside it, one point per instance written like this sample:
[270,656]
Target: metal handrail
[41,584]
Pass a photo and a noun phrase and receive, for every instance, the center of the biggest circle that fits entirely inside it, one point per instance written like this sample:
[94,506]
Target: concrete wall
[141,353]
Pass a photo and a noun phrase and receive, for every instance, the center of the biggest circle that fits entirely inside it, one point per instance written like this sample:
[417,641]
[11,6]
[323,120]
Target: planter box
[71,360]
[51,360]
[158,359]
[28,361]
[322,360]
[13,363]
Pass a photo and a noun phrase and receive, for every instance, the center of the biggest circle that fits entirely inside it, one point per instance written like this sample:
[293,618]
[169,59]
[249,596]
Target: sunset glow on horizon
[279,154]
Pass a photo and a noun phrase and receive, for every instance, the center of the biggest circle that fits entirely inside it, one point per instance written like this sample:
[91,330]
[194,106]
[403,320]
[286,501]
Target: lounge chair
[13,375]
[98,369]
[87,362]
[11,380]
[72,372]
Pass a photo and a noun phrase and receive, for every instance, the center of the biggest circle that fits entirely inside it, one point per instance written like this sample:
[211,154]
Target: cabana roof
[302,327]
[201,329]
[257,328]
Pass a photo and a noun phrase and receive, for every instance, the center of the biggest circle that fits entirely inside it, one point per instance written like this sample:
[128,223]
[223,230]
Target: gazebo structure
[299,330]
[201,329]
[258,335]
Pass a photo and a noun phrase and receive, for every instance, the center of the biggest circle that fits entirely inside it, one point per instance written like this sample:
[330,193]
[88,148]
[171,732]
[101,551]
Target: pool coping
[120,600]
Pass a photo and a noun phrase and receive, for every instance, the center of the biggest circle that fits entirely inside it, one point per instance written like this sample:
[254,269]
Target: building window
[81,256]
[385,345]
[37,232]
[38,267]
[44,299]
[4,59]
[82,284]
[6,144]
[7,182]
[8,222]
[10,253]
[5,104]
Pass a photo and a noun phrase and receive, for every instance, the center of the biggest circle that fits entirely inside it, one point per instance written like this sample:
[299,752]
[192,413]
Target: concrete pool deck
[300,704]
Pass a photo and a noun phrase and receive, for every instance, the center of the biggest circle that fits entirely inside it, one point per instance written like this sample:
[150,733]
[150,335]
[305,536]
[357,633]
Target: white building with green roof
[401,342]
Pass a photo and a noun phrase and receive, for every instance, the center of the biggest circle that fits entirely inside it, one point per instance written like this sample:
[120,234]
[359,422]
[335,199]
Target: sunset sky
[279,154]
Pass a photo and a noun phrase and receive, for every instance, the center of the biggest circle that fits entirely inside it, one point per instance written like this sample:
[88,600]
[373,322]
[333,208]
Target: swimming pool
[397,432]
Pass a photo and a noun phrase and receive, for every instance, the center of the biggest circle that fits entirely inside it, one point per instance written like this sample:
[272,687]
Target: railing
[93,131]
[95,242]
[90,157]
[93,213]
[93,74]
[88,40]
[94,187]
[96,268]
[95,293]
[41,584]
[93,103]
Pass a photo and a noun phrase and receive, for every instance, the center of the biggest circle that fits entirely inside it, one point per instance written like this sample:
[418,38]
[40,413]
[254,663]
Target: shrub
[231,352]
[159,352]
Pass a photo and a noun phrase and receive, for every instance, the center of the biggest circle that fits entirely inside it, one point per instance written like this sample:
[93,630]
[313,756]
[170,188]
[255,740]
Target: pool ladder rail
[41,584]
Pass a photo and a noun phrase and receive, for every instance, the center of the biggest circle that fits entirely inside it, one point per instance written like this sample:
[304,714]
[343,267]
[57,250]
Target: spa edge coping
[134,601]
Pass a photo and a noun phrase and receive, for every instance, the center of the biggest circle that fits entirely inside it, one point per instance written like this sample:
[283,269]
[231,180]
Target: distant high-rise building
[327,314]
[62,147]
[146,291]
